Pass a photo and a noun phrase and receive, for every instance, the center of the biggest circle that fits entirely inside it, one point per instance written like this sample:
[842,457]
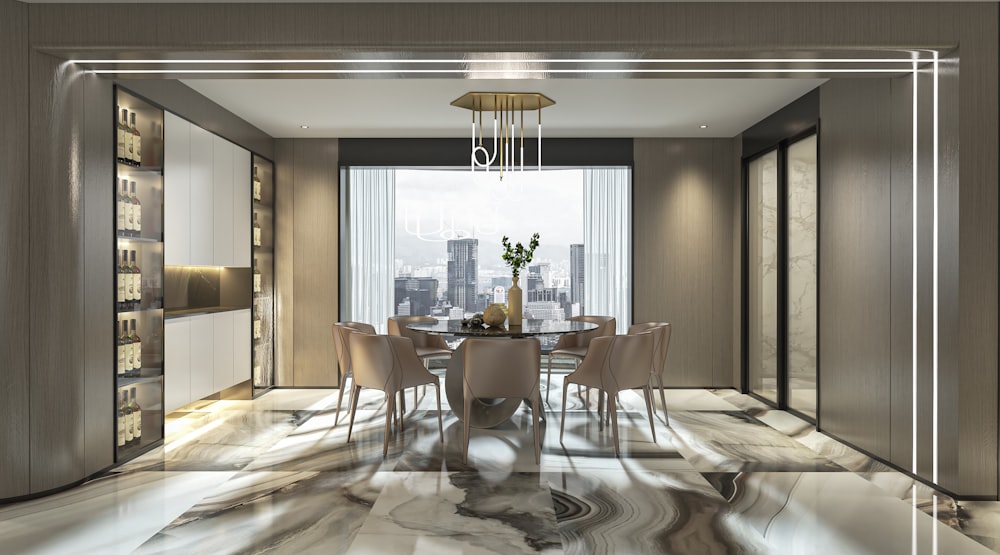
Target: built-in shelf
[143,190]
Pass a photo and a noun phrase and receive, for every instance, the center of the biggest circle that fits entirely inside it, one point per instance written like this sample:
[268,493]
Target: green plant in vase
[517,257]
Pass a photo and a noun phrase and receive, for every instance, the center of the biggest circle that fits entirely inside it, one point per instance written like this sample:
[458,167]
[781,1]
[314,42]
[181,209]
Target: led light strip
[914,267]
[518,61]
[935,276]
[506,72]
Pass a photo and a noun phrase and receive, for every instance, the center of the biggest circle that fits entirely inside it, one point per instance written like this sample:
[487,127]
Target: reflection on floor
[728,475]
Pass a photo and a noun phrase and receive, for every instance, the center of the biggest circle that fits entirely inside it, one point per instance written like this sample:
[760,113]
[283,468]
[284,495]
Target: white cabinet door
[202,356]
[242,200]
[176,363]
[242,346]
[223,351]
[222,188]
[202,197]
[176,191]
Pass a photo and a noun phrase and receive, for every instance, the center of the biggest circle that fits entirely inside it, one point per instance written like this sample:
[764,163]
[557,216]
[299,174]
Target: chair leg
[600,410]
[340,398]
[390,399]
[355,394]
[437,390]
[649,411]
[613,411]
[663,400]
[548,381]
[402,409]
[466,413]
[535,405]
[562,421]
[541,415]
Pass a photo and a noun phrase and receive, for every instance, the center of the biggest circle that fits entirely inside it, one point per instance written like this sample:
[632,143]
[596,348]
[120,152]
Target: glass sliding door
[801,306]
[762,272]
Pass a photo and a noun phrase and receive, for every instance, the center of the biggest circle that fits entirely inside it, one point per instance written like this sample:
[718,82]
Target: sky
[433,206]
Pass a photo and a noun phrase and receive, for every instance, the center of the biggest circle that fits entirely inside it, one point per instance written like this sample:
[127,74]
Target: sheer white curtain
[371,219]
[607,240]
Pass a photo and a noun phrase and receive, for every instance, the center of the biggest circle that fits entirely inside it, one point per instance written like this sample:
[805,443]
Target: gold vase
[514,310]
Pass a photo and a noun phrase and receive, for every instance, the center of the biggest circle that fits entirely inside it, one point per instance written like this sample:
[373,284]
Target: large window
[436,234]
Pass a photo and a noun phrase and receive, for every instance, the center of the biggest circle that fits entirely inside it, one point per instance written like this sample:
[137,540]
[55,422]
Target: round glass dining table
[487,413]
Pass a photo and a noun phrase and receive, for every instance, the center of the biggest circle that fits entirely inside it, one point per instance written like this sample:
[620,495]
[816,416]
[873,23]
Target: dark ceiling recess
[787,122]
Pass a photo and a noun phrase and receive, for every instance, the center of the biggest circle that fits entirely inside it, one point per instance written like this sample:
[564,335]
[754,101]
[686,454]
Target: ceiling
[584,107]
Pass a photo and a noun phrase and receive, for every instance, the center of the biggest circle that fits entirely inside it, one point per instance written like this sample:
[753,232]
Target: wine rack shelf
[138,240]
[263,274]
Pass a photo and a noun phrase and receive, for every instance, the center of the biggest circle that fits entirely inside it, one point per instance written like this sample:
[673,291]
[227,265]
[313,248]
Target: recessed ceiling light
[304,126]
[703,126]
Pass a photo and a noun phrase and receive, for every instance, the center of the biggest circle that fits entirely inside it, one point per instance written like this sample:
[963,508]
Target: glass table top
[529,328]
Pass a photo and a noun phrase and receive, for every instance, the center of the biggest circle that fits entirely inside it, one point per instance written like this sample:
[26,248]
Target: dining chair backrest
[622,361]
[498,368]
[397,327]
[605,326]
[341,332]
[375,360]
[661,333]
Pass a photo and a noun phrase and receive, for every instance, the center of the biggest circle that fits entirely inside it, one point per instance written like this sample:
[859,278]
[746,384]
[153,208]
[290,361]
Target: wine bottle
[136,418]
[131,279]
[122,274]
[129,422]
[129,351]
[136,211]
[136,350]
[120,209]
[121,422]
[256,185]
[121,349]
[256,277]
[257,334]
[129,144]
[136,143]
[256,231]
[121,137]
[129,209]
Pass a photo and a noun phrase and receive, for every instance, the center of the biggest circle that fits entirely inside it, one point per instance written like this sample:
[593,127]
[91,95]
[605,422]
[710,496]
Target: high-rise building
[463,272]
[576,274]
[539,276]
[420,292]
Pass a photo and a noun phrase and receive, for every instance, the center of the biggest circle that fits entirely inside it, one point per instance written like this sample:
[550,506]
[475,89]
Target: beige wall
[685,197]
[306,261]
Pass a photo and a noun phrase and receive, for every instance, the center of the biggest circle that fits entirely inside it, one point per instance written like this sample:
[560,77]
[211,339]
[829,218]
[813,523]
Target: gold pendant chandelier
[506,135]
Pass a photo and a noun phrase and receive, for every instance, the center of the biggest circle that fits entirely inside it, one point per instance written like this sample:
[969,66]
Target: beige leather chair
[341,331]
[388,364]
[614,364]
[661,333]
[427,346]
[574,346]
[496,368]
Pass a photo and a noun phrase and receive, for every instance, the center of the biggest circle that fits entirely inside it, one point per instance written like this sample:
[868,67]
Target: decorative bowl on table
[494,315]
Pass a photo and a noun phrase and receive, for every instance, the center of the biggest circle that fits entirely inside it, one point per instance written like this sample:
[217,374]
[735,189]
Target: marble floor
[274,475]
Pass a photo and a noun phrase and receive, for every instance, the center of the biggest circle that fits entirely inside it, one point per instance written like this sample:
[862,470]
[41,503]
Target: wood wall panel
[682,253]
[99,349]
[284,267]
[15,245]
[968,118]
[854,247]
[901,274]
[57,296]
[725,243]
[316,197]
